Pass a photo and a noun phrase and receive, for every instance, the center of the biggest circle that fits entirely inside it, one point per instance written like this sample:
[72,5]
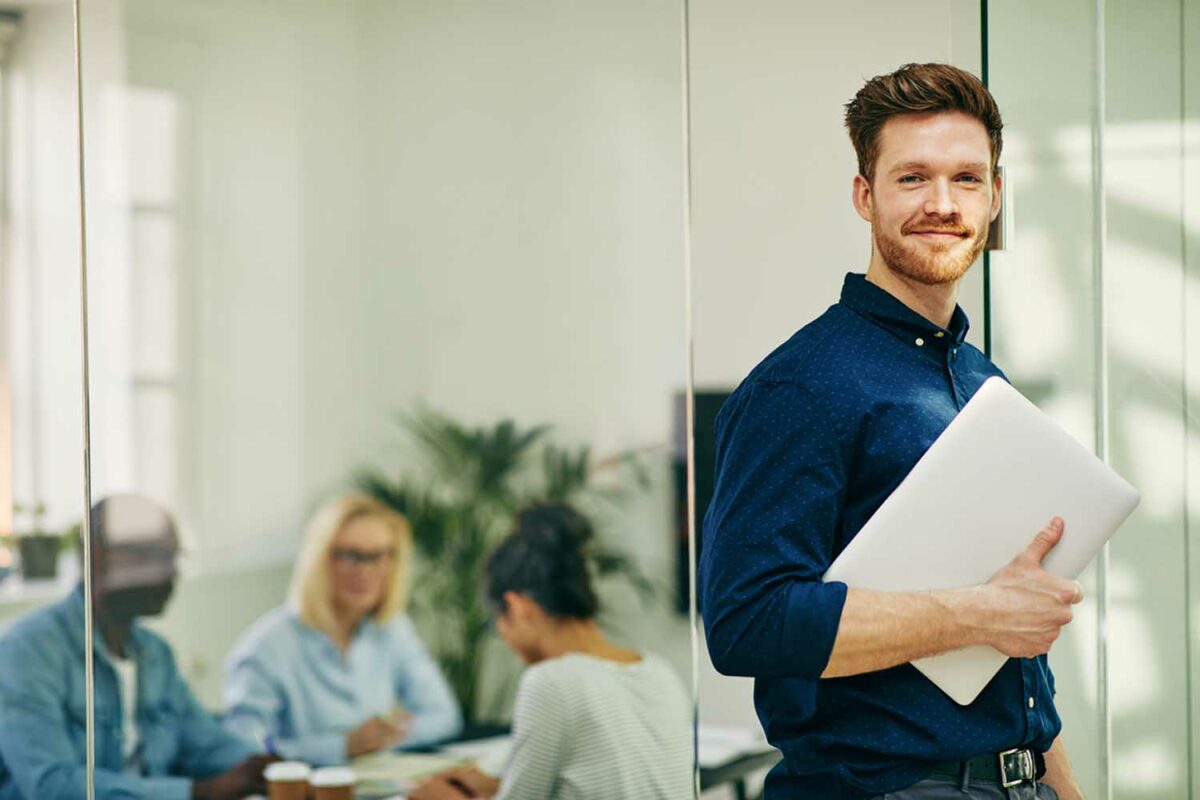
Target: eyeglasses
[352,556]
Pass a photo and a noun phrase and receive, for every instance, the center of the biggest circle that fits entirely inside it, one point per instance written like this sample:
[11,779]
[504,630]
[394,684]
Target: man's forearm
[1059,775]
[879,630]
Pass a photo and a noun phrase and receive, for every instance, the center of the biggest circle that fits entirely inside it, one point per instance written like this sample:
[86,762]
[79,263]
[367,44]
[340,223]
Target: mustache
[957,229]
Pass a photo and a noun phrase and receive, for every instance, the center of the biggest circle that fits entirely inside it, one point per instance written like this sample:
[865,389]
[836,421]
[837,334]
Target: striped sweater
[586,728]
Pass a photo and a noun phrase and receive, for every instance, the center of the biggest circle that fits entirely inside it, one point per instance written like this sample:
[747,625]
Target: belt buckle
[1022,765]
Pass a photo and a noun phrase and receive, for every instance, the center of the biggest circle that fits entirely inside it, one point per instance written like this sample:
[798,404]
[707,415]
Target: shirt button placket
[951,358]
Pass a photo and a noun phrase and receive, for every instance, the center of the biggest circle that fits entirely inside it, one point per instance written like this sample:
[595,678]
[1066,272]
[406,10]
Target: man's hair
[917,89]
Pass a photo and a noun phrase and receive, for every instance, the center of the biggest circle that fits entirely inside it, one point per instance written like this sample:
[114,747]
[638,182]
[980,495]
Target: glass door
[1092,314]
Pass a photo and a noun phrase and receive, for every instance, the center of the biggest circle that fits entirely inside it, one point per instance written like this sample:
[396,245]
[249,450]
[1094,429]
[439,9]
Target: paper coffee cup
[332,783]
[287,780]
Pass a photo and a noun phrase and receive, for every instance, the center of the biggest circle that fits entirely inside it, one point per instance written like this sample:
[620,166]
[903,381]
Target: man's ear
[864,201]
[997,193]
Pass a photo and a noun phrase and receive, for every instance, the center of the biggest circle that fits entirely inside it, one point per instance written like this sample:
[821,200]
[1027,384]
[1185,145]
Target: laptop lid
[998,473]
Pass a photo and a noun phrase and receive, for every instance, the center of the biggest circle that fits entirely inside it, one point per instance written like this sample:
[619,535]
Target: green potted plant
[38,548]
[462,504]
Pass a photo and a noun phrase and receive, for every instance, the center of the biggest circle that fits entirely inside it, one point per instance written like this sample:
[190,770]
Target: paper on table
[490,754]
[387,773]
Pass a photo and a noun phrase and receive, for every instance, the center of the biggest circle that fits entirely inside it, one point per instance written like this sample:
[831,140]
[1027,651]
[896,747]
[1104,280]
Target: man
[153,740]
[814,440]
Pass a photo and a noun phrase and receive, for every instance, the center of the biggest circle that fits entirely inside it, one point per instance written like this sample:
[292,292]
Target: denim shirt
[43,716]
[288,685]
[808,447]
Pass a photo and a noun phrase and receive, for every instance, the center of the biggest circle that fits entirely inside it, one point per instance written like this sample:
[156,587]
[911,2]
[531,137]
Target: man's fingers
[1078,596]
[1044,542]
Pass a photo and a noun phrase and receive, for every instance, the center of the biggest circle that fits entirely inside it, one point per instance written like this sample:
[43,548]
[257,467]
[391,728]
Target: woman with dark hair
[592,719]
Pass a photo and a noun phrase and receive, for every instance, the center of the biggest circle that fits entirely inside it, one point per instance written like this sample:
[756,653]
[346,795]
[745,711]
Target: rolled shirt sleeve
[770,533]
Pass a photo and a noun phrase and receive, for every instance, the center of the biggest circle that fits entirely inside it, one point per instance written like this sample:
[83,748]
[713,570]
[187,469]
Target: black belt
[1010,768]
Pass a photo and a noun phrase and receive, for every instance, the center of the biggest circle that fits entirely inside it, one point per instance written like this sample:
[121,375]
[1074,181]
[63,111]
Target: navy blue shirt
[807,448]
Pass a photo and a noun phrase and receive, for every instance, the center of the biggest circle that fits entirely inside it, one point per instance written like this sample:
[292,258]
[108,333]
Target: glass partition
[1092,311]
[1044,291]
[41,412]
[371,280]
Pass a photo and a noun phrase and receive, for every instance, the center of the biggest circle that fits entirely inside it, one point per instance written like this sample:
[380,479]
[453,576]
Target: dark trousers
[942,789]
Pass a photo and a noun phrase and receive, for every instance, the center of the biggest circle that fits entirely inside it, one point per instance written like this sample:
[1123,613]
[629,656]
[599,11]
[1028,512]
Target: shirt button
[1031,703]
[939,334]
[954,354]
[920,342]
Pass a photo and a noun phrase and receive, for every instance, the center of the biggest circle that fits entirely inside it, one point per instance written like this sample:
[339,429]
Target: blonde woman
[339,671]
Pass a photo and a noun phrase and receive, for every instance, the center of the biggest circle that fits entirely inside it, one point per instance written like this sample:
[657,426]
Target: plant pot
[39,556]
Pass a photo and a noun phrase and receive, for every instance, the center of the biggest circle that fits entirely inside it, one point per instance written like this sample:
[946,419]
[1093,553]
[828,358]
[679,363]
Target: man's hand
[437,788]
[1029,606]
[244,779]
[377,733]
[1020,612]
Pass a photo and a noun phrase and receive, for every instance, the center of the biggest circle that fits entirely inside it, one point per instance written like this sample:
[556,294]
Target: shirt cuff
[816,609]
[431,728]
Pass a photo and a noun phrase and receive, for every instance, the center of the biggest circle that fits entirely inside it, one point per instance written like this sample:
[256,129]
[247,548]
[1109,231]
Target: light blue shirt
[43,707]
[288,685]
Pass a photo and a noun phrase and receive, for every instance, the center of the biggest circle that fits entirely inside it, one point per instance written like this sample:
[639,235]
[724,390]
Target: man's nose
[940,202]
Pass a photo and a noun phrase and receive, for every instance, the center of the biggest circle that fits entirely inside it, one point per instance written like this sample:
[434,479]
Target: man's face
[933,195]
[134,558]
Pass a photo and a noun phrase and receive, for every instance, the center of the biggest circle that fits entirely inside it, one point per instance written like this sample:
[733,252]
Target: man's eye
[910,179]
[970,178]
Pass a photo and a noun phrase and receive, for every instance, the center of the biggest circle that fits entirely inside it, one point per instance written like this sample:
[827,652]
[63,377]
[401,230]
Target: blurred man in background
[153,739]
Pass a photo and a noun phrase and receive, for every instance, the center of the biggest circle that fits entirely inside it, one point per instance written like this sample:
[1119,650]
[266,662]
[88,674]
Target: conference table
[728,757]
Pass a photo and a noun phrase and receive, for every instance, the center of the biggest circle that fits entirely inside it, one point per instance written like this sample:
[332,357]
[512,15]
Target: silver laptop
[974,501]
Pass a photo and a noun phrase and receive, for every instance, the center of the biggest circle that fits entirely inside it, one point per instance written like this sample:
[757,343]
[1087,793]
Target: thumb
[1044,542]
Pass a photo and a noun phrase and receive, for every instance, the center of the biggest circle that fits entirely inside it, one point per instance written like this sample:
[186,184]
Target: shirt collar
[892,315]
[322,639]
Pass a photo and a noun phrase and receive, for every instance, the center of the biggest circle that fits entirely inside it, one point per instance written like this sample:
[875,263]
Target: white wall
[41,264]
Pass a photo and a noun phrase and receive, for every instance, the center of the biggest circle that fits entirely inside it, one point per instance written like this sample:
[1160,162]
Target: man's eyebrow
[963,166]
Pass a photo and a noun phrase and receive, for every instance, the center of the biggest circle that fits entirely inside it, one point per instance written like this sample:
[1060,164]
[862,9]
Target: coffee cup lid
[332,776]
[287,771]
